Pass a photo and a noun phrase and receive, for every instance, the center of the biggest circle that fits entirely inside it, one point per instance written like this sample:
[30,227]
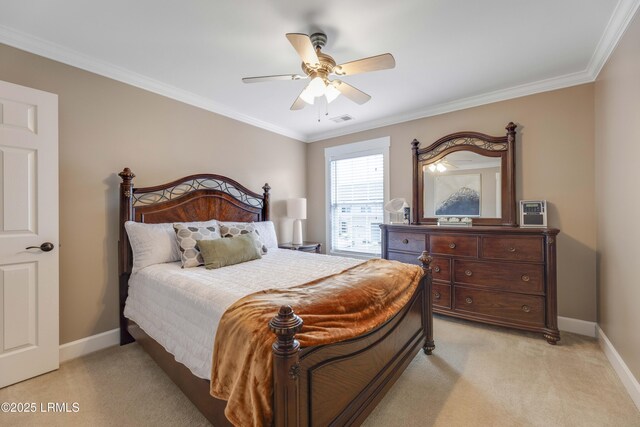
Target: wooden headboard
[193,198]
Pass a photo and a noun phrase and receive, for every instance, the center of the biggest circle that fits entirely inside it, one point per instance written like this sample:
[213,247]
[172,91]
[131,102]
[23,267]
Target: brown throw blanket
[333,308]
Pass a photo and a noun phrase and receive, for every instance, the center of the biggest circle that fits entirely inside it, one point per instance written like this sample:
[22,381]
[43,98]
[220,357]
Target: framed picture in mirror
[457,195]
[466,174]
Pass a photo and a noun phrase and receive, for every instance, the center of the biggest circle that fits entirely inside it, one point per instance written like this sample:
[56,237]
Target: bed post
[414,197]
[285,367]
[124,258]
[265,209]
[509,212]
[427,321]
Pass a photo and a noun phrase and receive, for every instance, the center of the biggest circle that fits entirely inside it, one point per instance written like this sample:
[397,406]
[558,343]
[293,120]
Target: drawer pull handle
[526,308]
[511,249]
[436,295]
[452,245]
[405,241]
[468,300]
[468,272]
[437,269]
[525,278]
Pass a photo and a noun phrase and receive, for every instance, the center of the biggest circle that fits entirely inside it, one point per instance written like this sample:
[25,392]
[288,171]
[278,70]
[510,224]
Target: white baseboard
[88,345]
[577,326]
[628,380]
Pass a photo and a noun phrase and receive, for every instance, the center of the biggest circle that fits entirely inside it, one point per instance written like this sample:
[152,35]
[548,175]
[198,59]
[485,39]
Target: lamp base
[297,232]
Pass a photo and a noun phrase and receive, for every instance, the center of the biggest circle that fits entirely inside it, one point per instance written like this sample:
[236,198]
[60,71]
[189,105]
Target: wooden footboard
[340,384]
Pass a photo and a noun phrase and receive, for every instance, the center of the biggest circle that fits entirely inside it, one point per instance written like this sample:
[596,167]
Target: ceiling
[450,54]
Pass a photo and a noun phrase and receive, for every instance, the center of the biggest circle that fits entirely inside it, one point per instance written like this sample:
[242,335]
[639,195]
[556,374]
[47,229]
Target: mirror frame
[485,145]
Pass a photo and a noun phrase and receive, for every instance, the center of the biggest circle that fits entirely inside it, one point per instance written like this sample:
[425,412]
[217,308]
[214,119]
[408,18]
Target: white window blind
[357,198]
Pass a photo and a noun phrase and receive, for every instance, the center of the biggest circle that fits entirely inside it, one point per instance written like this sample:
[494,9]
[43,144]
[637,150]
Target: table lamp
[297,209]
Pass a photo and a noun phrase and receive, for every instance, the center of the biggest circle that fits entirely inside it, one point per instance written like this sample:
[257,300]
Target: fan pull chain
[321,100]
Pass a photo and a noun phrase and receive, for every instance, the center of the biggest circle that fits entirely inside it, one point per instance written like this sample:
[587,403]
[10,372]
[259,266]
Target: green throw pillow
[222,252]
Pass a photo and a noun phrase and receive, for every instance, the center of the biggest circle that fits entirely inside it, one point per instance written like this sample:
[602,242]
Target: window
[357,185]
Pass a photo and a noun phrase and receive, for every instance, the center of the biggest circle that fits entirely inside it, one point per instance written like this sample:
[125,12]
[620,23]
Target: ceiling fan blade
[373,63]
[448,164]
[302,44]
[298,104]
[273,78]
[356,95]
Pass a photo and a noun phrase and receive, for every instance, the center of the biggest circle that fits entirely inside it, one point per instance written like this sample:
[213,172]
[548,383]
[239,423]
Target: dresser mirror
[467,176]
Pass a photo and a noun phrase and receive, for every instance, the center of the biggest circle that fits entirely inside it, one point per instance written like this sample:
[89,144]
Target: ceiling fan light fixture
[307,96]
[332,93]
[437,167]
[317,87]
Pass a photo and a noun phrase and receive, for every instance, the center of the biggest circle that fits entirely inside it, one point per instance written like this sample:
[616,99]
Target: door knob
[45,247]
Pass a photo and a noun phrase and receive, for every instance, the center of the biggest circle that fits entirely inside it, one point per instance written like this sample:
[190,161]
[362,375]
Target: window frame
[349,151]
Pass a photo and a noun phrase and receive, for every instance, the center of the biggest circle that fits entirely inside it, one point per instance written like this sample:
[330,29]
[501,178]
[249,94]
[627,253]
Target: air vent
[340,119]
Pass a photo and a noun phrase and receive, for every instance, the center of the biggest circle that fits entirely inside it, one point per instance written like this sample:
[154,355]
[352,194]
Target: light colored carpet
[478,376]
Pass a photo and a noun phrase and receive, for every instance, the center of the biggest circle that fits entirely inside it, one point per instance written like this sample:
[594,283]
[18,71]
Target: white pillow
[155,243]
[267,231]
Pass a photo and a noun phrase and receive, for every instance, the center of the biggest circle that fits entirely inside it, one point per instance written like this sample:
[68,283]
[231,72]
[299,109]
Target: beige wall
[617,130]
[106,125]
[555,161]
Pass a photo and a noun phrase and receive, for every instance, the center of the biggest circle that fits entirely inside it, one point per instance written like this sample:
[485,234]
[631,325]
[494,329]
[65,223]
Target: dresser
[503,276]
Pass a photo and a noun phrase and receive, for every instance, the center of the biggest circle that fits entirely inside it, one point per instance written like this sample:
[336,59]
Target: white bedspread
[181,308]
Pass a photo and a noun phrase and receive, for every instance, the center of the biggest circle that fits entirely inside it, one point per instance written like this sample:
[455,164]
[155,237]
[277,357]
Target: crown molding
[622,15]
[546,85]
[41,47]
[620,19]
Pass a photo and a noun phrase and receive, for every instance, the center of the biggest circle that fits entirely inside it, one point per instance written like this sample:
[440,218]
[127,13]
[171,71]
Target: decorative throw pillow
[267,233]
[155,243]
[234,229]
[222,252]
[188,242]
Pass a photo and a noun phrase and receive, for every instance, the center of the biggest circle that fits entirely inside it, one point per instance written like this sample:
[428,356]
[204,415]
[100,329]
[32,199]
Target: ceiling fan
[442,166]
[318,66]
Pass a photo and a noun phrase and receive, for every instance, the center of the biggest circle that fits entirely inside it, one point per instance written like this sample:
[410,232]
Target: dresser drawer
[529,248]
[414,242]
[516,277]
[441,295]
[452,244]
[404,257]
[528,309]
[441,268]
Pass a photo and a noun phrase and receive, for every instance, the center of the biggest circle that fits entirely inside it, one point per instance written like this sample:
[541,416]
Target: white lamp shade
[307,96]
[297,208]
[395,205]
[332,93]
[317,87]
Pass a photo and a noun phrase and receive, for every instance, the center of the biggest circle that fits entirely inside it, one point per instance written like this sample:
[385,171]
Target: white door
[29,344]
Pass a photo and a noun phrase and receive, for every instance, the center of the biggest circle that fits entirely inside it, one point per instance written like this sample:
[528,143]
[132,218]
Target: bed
[332,384]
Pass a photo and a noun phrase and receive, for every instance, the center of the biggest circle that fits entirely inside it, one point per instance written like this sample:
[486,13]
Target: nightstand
[304,247]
